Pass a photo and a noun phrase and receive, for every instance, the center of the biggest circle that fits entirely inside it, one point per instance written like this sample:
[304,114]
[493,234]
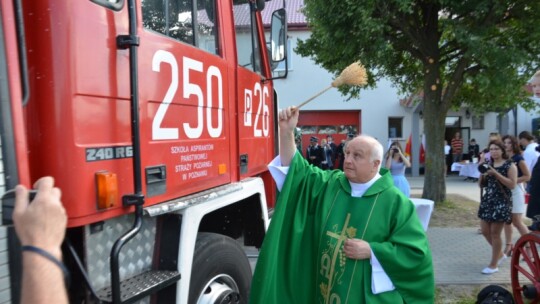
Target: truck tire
[221,271]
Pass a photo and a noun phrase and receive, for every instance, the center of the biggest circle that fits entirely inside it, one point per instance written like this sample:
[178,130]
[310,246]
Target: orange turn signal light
[107,189]
[222,169]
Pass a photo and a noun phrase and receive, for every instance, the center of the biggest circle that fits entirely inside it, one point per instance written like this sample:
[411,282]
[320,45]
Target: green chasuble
[302,259]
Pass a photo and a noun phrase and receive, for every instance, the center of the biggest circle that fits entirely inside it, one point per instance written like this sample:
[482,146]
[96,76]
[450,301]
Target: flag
[408,147]
[423,149]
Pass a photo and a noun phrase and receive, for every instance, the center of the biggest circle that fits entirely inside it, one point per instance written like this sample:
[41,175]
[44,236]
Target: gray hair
[376,148]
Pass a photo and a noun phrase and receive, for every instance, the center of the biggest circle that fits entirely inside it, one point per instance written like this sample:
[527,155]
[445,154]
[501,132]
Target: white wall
[306,79]
[524,120]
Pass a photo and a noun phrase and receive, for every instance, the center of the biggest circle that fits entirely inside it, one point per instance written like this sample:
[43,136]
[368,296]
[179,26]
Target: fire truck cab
[156,119]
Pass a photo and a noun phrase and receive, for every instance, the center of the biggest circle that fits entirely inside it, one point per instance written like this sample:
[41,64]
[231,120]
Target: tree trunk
[435,165]
[434,129]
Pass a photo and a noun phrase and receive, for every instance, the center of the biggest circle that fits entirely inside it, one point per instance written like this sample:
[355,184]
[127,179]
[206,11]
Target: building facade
[381,112]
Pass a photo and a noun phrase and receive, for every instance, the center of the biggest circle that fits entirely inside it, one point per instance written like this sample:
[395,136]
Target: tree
[478,52]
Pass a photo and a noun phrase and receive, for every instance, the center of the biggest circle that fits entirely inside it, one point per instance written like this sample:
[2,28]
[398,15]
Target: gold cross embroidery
[346,232]
[340,239]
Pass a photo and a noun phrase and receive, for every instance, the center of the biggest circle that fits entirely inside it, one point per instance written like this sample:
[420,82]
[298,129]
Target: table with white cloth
[424,208]
[469,170]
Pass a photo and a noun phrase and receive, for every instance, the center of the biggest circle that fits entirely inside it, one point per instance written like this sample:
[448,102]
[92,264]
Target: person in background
[326,163]
[314,153]
[533,208]
[535,84]
[340,237]
[513,151]
[527,142]
[41,227]
[447,157]
[340,154]
[474,149]
[396,162]
[298,139]
[341,150]
[496,202]
[333,146]
[484,155]
[457,147]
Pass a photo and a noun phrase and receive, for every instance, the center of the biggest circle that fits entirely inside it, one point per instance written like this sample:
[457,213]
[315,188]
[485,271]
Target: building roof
[295,17]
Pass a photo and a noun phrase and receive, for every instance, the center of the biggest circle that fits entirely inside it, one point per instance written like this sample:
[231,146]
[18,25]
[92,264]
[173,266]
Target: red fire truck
[156,119]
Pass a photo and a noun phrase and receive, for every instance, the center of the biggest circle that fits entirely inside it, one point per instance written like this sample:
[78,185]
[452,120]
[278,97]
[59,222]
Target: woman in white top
[518,193]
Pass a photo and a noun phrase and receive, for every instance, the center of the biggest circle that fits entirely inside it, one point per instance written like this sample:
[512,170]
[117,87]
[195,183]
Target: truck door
[255,95]
[185,98]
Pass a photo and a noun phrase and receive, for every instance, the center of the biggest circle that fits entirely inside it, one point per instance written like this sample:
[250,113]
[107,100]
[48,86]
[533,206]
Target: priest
[340,236]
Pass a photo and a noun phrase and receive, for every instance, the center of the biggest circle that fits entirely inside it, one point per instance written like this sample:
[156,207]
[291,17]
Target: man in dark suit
[333,146]
[474,150]
[314,153]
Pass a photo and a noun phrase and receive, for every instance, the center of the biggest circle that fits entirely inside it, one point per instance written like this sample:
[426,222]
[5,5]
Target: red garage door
[323,123]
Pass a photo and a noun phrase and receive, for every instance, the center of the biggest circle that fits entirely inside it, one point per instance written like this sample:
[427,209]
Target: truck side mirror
[278,37]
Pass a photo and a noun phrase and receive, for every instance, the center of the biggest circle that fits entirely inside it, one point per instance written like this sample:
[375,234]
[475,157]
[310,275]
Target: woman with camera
[396,162]
[518,193]
[498,178]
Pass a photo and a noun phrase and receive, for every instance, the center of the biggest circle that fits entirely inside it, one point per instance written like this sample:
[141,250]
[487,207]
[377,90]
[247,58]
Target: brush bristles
[354,75]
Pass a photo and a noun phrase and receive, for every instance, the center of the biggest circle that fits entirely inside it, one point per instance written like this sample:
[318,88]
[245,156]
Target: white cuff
[380,282]
[278,172]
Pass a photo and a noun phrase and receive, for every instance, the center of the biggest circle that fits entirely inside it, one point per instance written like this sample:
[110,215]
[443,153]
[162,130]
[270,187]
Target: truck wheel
[221,271]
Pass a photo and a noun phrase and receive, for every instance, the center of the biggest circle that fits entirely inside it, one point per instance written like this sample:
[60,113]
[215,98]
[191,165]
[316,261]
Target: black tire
[221,271]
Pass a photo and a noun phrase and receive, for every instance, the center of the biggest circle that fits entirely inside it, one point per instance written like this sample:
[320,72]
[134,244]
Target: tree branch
[448,58]
[455,81]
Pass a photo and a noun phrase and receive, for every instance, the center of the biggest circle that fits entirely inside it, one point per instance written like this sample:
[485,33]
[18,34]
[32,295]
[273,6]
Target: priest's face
[359,167]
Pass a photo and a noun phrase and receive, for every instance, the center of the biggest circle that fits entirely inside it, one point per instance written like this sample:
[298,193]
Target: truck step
[141,285]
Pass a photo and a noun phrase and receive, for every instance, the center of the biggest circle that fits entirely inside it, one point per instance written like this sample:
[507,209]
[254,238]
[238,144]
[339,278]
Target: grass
[456,211]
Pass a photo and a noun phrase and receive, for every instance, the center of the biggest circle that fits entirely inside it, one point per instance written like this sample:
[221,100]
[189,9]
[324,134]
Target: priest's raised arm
[288,118]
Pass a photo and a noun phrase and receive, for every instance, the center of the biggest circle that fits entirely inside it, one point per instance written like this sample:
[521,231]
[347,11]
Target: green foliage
[481,52]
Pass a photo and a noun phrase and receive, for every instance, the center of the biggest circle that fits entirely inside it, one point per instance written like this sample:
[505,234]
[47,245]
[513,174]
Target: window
[281,66]
[478,122]
[395,127]
[189,21]
[247,40]
[452,121]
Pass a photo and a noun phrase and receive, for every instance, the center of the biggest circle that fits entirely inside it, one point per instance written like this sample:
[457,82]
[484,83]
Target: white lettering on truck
[190,89]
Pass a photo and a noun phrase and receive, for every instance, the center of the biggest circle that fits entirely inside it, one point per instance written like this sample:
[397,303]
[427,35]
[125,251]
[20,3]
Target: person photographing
[498,178]
[398,163]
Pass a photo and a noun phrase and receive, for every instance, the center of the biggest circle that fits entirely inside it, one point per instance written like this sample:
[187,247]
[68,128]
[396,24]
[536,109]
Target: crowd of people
[327,155]
[356,224]
[505,167]
[505,180]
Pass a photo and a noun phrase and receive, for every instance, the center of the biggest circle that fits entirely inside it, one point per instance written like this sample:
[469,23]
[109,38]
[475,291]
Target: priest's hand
[357,249]
[288,118]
